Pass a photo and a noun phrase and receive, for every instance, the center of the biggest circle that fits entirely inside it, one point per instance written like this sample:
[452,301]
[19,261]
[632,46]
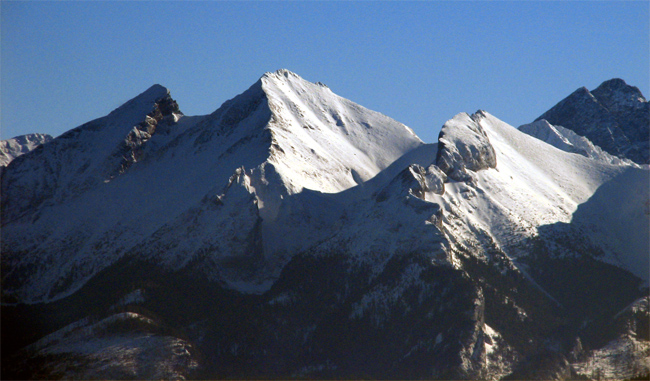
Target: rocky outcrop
[85,156]
[415,181]
[435,179]
[164,114]
[615,117]
[463,145]
[626,356]
[109,347]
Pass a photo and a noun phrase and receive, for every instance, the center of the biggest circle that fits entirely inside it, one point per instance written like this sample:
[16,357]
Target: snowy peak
[86,156]
[289,135]
[312,138]
[20,145]
[323,142]
[292,213]
[281,75]
[615,116]
[143,101]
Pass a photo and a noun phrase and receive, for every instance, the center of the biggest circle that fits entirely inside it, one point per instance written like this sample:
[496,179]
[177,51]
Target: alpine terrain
[614,117]
[295,234]
[12,148]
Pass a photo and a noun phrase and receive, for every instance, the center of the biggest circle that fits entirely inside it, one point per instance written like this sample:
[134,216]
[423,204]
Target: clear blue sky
[65,63]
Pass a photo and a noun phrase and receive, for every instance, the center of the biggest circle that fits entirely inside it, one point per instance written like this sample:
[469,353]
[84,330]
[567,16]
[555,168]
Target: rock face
[463,145]
[416,181]
[615,117]
[20,145]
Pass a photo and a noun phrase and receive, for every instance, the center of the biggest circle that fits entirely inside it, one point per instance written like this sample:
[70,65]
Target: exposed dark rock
[64,167]
[381,286]
[615,116]
[163,115]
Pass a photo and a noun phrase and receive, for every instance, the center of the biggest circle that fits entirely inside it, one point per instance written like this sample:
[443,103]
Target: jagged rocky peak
[164,108]
[572,111]
[463,145]
[333,232]
[88,155]
[615,116]
[164,113]
[143,101]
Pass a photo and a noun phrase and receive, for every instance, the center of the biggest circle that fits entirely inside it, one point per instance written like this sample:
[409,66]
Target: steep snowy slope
[569,141]
[534,184]
[489,221]
[81,158]
[323,135]
[14,147]
[523,184]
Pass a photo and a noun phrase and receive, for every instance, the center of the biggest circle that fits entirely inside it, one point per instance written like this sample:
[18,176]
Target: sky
[65,63]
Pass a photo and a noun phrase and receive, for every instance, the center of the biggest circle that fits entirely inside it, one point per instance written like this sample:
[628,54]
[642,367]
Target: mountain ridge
[270,167]
[293,233]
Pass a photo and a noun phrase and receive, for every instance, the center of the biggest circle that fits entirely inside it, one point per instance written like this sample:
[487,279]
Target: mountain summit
[282,135]
[615,116]
[295,234]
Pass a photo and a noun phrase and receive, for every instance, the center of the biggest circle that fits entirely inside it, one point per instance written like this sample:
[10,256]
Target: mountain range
[293,233]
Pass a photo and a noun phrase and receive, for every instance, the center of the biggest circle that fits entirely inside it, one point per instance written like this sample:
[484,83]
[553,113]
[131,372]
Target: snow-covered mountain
[569,141]
[14,147]
[614,117]
[294,233]
[256,150]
